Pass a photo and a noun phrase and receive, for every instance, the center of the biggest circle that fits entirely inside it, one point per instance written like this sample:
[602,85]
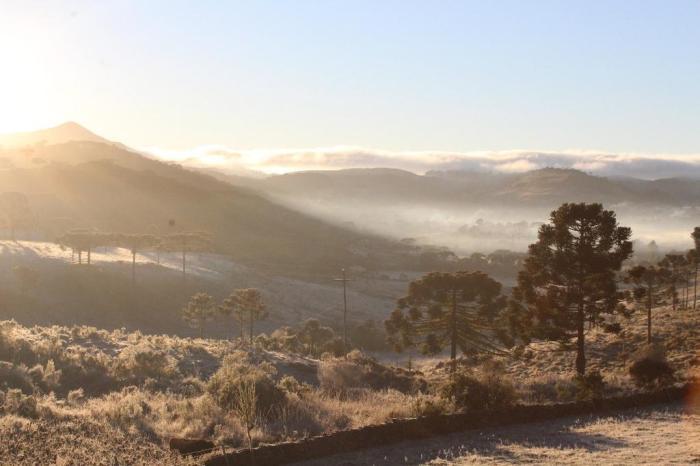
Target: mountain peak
[65,132]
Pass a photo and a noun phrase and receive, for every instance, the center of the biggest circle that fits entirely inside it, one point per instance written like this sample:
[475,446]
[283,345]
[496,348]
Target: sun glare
[30,64]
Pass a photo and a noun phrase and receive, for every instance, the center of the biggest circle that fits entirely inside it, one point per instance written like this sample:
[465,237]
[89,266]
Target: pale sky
[620,76]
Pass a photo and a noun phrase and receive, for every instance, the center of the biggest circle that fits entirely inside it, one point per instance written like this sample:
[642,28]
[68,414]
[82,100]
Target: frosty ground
[667,434]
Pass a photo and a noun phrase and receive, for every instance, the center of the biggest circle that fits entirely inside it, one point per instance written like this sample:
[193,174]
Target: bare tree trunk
[453,337]
[80,257]
[695,287]
[649,303]
[580,342]
[89,256]
[184,263]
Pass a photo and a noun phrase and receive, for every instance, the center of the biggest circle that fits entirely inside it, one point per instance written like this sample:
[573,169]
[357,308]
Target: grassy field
[70,393]
[659,435]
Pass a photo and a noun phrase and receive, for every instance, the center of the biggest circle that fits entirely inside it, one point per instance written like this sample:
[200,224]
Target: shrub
[424,406]
[359,371]
[589,386]
[137,364]
[226,384]
[76,397]
[469,392]
[542,390]
[292,386]
[650,368]
[13,376]
[17,403]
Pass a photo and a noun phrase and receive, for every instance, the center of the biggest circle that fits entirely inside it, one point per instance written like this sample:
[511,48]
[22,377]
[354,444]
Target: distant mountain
[93,184]
[66,132]
[543,187]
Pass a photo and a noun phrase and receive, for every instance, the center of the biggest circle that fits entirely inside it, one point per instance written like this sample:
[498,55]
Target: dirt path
[659,435]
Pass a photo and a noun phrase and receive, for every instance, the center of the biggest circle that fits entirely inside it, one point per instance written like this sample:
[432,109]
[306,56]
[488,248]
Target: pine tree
[648,288]
[569,276]
[456,310]
[200,309]
[136,244]
[674,263]
[246,305]
[186,242]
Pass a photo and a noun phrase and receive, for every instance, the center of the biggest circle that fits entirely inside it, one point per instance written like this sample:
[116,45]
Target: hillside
[132,392]
[103,295]
[533,188]
[442,207]
[66,132]
[84,184]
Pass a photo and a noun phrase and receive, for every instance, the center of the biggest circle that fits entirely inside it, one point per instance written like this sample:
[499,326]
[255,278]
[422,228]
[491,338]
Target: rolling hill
[96,184]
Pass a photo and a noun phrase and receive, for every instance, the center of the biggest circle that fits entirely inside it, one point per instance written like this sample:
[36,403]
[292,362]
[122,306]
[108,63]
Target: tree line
[570,277]
[86,241]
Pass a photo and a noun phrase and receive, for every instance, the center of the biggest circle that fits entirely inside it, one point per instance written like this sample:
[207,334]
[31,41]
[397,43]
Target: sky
[420,76]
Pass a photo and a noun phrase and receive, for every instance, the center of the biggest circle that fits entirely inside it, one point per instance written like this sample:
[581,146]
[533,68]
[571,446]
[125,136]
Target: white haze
[469,228]
[275,161]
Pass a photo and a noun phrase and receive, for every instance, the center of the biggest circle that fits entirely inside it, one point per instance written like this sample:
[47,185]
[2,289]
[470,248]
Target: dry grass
[130,392]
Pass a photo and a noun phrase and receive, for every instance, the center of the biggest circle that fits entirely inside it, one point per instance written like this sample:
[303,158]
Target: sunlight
[30,62]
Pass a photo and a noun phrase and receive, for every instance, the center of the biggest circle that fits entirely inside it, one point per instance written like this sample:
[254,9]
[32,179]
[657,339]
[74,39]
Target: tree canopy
[569,275]
[455,310]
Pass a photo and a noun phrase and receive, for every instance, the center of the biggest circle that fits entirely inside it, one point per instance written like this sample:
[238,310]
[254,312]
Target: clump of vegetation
[235,374]
[14,401]
[481,390]
[650,368]
[358,371]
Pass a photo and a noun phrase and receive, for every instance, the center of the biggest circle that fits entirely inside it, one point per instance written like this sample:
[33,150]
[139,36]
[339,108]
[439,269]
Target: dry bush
[358,371]
[13,376]
[14,402]
[485,389]
[225,385]
[650,368]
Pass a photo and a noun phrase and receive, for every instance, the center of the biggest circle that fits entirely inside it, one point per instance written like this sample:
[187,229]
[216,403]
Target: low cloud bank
[647,166]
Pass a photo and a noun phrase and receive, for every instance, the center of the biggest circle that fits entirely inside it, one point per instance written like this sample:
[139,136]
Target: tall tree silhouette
[229,307]
[200,309]
[186,242]
[135,244]
[675,264]
[455,310]
[85,241]
[569,275]
[648,288]
[248,306]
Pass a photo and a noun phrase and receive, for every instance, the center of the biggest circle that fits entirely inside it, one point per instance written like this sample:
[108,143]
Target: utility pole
[345,310]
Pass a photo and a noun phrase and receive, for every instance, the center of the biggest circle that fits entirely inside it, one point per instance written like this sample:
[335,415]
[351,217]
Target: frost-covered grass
[659,435]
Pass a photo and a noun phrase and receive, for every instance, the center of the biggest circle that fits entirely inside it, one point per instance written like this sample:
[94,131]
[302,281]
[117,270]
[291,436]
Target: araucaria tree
[648,283]
[136,244]
[569,275]
[456,310]
[675,264]
[246,305]
[198,311]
